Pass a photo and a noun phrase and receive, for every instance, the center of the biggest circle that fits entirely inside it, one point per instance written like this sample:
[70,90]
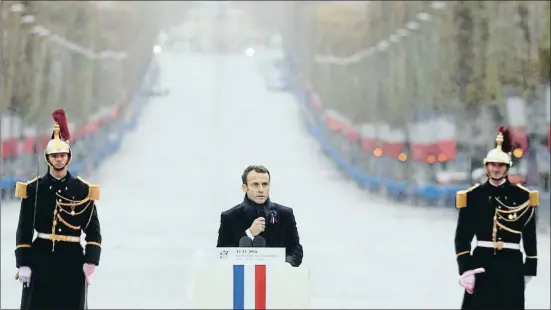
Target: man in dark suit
[257,217]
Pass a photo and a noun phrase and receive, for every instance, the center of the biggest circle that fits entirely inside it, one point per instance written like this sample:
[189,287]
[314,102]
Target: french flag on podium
[249,287]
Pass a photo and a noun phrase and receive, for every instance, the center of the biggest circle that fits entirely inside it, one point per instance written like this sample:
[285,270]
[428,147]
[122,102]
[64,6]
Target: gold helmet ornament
[59,144]
[502,152]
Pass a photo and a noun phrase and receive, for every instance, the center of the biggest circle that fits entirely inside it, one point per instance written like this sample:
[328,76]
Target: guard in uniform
[499,214]
[54,269]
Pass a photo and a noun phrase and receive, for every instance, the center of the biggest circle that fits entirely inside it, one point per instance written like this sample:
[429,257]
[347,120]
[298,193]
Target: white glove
[89,270]
[467,280]
[527,279]
[25,276]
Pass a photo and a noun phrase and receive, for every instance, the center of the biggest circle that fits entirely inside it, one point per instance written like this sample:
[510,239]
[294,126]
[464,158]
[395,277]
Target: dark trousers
[502,285]
[57,279]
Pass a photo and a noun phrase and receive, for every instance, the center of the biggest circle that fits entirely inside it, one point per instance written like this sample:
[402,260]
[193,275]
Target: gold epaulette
[93,190]
[534,196]
[461,196]
[21,188]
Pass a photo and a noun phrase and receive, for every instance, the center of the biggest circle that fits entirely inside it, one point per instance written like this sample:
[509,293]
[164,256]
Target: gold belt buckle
[499,245]
[61,238]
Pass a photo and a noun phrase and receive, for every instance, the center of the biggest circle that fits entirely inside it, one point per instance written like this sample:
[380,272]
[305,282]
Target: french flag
[9,131]
[433,135]
[423,137]
[516,113]
[335,121]
[246,280]
[446,137]
[368,134]
[393,139]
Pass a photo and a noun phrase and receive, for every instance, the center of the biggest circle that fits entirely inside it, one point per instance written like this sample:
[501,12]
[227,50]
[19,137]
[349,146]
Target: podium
[250,278]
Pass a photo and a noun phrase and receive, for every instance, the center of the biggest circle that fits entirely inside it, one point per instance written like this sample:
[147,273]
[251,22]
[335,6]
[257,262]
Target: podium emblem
[224,254]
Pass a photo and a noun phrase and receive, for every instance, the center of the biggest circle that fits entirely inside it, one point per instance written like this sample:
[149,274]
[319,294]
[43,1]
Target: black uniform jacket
[504,213]
[65,207]
[281,228]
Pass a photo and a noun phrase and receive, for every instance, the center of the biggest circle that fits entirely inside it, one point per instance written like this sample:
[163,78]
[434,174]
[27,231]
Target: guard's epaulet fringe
[461,196]
[93,189]
[534,195]
[21,188]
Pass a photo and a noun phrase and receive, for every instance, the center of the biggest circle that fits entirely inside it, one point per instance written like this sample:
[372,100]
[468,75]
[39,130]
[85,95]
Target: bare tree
[458,59]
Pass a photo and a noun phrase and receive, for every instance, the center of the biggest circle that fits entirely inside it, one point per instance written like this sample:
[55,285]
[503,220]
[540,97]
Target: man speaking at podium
[259,221]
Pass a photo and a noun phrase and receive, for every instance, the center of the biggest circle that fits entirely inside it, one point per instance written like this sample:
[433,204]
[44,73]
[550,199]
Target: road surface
[163,192]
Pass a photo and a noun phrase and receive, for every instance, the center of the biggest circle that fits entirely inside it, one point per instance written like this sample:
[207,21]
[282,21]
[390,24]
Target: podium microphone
[260,212]
[245,242]
[259,242]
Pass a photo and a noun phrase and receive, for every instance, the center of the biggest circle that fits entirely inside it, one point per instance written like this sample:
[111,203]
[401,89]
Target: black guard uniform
[59,210]
[499,217]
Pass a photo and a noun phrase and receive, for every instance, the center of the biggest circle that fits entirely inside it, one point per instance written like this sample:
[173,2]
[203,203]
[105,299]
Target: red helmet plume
[61,119]
[507,145]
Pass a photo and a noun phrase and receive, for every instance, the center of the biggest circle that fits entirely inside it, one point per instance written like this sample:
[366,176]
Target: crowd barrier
[386,176]
[91,144]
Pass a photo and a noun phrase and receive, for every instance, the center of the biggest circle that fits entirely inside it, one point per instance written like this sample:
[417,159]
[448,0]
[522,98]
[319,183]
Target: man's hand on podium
[289,260]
